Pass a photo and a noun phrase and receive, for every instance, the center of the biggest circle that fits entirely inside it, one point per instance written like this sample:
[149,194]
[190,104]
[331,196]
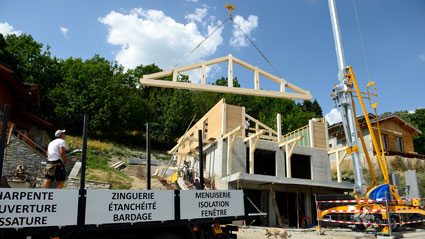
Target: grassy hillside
[99,155]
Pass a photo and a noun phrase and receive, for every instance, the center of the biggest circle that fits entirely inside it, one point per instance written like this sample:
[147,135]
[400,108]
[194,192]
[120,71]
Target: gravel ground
[259,233]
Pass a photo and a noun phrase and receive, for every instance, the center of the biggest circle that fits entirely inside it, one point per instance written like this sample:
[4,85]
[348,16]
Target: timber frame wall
[227,121]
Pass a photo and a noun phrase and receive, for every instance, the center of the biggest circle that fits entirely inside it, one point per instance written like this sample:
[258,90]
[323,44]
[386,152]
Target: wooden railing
[270,134]
[29,141]
[303,131]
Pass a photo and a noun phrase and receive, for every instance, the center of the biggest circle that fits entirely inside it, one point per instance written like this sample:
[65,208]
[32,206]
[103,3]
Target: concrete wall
[320,165]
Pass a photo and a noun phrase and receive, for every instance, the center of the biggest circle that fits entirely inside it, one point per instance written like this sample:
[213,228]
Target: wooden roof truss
[152,80]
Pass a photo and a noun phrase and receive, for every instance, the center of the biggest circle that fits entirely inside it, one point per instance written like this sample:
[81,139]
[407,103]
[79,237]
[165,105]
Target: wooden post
[251,158]
[276,208]
[201,159]
[230,71]
[288,162]
[203,72]
[338,169]
[256,79]
[282,87]
[175,75]
[279,128]
[223,119]
[243,121]
[311,130]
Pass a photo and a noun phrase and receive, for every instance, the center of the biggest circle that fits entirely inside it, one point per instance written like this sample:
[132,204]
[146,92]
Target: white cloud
[192,0]
[333,117]
[198,15]
[422,57]
[238,39]
[7,29]
[149,36]
[64,31]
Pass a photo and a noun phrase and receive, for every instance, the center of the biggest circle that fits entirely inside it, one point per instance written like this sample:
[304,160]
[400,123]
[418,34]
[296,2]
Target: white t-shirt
[247,124]
[53,149]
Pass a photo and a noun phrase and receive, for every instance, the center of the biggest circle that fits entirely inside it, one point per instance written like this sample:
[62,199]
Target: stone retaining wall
[19,153]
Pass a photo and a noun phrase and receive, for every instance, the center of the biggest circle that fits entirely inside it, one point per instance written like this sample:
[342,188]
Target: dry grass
[117,180]
[91,143]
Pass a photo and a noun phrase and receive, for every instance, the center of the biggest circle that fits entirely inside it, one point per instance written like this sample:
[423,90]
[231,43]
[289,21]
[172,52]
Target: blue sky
[295,35]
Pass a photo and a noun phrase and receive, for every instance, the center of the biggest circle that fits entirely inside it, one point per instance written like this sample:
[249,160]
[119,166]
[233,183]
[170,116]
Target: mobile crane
[376,198]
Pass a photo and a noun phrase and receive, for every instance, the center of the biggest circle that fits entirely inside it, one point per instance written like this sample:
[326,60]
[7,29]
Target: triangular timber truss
[299,94]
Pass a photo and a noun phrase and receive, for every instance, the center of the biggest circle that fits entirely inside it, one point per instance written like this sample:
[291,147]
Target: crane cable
[245,35]
[361,40]
[196,47]
[255,46]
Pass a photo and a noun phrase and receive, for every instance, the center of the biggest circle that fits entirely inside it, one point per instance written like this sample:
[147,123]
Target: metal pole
[84,153]
[317,214]
[201,159]
[343,99]
[298,212]
[82,192]
[148,155]
[337,36]
[3,137]
[388,214]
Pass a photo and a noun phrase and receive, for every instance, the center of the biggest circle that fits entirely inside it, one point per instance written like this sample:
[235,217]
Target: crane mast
[343,98]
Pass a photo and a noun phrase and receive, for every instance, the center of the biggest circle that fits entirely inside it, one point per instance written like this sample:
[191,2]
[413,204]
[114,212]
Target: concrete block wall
[320,165]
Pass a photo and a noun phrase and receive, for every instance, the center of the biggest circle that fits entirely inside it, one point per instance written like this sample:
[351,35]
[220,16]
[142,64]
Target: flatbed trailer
[156,214]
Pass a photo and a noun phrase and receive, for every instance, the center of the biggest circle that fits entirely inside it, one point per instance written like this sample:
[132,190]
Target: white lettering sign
[37,207]
[123,206]
[211,203]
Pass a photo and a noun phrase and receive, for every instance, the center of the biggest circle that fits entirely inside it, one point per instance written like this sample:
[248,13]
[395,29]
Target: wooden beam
[224,89]
[279,128]
[230,71]
[343,157]
[291,141]
[230,144]
[223,118]
[276,208]
[282,87]
[204,140]
[175,73]
[232,131]
[288,162]
[256,79]
[203,72]
[337,150]
[187,154]
[252,147]
[338,169]
[254,136]
[258,123]
[311,133]
[288,153]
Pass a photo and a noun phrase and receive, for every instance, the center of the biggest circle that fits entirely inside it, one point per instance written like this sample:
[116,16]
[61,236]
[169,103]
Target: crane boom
[343,98]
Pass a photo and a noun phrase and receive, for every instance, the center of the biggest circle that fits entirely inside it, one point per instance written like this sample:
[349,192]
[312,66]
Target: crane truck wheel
[395,219]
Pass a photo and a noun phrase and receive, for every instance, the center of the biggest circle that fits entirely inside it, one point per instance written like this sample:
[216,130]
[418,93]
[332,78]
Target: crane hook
[230,7]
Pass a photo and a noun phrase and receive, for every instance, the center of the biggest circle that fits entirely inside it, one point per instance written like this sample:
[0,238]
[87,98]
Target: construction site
[296,180]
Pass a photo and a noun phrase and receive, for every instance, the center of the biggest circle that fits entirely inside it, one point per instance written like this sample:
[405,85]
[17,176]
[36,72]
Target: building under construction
[279,173]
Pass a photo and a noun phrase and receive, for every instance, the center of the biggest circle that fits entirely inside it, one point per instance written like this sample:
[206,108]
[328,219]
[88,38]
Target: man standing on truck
[56,157]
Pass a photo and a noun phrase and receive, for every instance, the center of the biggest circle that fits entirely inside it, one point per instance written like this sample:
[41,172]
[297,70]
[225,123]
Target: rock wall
[19,153]
[74,183]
